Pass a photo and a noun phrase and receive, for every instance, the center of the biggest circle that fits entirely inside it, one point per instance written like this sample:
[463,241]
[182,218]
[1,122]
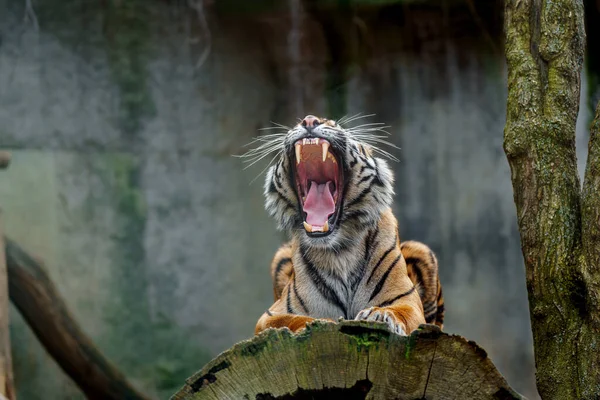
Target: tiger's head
[326,186]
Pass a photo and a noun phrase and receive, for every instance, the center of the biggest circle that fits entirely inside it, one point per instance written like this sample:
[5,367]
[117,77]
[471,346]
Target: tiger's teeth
[308,227]
[326,226]
[298,153]
[325,149]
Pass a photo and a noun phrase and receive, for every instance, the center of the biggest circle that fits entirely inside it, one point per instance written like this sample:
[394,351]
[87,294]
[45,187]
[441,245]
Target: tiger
[331,192]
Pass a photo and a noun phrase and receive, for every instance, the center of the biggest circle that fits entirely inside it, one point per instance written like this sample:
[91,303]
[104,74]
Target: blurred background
[122,116]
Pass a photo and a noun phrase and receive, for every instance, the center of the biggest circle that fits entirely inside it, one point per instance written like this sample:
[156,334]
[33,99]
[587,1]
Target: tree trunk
[7,388]
[36,297]
[559,226]
[350,360]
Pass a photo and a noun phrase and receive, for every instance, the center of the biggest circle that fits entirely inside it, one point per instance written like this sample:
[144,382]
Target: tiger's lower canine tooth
[307,226]
[326,226]
[325,149]
[298,153]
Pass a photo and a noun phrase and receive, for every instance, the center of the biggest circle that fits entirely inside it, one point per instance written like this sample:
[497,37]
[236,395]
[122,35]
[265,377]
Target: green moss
[149,347]
[254,348]
[410,345]
[366,340]
[127,31]
[122,28]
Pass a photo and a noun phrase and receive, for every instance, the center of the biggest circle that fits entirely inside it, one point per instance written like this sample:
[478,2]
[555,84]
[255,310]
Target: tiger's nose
[310,122]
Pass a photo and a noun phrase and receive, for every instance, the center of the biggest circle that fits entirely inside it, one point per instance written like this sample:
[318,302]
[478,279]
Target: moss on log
[350,360]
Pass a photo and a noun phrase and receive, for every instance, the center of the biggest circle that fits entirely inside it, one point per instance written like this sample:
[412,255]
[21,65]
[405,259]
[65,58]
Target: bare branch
[38,300]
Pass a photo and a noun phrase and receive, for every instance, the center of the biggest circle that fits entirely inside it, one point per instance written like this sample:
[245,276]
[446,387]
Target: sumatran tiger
[345,259]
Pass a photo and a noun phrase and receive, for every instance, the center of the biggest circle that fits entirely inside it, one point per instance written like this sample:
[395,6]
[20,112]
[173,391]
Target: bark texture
[559,226]
[36,297]
[350,360]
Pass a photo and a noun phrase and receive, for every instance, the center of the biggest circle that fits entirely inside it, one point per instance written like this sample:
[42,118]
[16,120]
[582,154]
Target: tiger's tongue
[319,204]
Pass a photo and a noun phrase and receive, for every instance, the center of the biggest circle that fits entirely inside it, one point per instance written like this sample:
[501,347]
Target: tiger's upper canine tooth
[325,149]
[326,226]
[298,153]
[308,227]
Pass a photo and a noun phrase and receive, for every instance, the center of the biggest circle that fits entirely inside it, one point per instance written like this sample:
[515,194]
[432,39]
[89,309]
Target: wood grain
[350,359]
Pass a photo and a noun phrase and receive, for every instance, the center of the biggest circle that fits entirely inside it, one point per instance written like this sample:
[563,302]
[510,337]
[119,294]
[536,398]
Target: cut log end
[353,360]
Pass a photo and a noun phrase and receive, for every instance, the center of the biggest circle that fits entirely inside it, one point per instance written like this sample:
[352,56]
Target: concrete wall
[124,184]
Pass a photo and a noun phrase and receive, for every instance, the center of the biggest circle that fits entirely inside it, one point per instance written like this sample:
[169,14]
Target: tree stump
[350,360]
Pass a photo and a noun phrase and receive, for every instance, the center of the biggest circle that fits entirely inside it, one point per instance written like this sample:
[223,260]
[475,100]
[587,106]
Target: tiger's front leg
[293,322]
[402,311]
[282,313]
[401,319]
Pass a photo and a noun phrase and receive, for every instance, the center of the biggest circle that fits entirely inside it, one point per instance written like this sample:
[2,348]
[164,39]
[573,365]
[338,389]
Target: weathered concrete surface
[122,180]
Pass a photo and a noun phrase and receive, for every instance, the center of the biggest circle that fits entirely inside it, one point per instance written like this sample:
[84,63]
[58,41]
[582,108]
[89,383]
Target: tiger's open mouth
[319,184]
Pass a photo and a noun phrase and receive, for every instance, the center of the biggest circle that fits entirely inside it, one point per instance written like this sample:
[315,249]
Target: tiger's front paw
[382,315]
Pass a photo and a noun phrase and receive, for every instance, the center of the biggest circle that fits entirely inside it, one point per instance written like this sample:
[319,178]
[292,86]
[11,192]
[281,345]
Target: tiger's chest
[333,296]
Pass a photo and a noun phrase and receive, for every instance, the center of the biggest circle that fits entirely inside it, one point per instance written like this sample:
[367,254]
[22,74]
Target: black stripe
[383,279]
[277,177]
[381,260]
[273,189]
[377,181]
[416,268]
[269,313]
[440,314]
[431,315]
[289,303]
[362,268]
[326,291]
[432,257]
[298,297]
[392,301]
[366,178]
[280,265]
[360,196]
[372,245]
[349,216]
[430,319]
[431,306]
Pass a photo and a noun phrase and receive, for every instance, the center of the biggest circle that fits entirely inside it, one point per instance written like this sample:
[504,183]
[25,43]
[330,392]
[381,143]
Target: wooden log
[350,360]
[38,300]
